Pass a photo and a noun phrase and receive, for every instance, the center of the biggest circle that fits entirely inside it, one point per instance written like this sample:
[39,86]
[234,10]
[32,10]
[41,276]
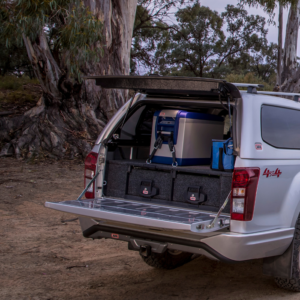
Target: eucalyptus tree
[198,46]
[288,71]
[66,40]
[192,42]
[152,22]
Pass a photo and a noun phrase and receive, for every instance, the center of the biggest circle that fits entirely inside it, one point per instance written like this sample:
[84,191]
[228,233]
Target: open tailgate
[140,213]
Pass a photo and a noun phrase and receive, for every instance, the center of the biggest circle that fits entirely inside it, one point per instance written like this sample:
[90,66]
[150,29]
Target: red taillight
[243,193]
[90,165]
[240,178]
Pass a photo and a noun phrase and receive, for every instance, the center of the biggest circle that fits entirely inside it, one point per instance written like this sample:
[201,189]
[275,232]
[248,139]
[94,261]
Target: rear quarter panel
[278,195]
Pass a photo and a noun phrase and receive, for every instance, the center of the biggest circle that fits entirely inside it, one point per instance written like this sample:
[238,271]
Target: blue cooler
[191,134]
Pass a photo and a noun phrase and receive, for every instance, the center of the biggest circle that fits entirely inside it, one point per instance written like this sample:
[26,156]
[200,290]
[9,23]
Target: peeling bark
[118,19]
[279,59]
[290,47]
[70,116]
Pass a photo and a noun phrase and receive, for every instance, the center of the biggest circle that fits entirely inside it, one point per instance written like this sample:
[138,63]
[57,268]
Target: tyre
[293,284]
[168,260]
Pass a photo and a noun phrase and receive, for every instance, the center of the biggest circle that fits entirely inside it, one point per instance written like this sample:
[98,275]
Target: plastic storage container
[191,133]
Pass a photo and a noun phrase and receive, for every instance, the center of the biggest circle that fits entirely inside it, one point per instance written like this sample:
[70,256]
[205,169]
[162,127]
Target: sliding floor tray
[140,213]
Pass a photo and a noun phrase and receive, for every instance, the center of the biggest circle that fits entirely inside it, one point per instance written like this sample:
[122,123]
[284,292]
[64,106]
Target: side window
[280,127]
[128,130]
[144,128]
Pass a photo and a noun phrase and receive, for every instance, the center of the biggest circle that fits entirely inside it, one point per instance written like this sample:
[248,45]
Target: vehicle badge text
[269,173]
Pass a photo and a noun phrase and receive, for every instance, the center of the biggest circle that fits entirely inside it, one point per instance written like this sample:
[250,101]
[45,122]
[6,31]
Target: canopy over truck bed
[158,85]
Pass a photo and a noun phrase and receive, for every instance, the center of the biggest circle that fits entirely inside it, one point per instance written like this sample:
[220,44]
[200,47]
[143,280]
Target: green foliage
[70,27]
[198,46]
[251,78]
[28,17]
[245,32]
[264,62]
[195,39]
[150,27]
[14,60]
[78,36]
[145,34]
[268,6]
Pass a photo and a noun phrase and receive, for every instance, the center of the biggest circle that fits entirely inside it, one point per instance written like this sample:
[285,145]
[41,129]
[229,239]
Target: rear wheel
[293,284]
[168,260]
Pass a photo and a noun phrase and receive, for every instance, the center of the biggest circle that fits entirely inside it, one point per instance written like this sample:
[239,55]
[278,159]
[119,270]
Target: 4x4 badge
[269,173]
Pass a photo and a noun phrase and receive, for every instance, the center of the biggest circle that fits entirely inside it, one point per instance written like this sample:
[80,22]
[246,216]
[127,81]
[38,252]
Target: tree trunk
[279,59]
[70,115]
[290,47]
[118,18]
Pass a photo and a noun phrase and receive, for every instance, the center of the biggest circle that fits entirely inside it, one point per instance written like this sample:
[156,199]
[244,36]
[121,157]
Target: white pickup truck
[251,212]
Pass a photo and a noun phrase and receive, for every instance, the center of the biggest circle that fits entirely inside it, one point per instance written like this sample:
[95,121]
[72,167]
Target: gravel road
[44,257]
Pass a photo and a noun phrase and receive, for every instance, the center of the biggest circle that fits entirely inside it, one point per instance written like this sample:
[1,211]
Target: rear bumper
[228,247]
[240,247]
[136,238]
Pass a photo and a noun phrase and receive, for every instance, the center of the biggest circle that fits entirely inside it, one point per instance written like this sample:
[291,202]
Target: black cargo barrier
[156,182]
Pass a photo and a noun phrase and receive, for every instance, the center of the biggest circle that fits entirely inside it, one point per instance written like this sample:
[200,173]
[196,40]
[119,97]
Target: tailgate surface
[134,212]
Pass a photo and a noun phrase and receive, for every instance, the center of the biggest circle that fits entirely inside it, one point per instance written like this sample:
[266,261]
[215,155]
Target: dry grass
[14,83]
[18,94]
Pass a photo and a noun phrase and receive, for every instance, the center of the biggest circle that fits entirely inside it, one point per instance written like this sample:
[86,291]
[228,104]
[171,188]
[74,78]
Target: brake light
[243,193]
[90,165]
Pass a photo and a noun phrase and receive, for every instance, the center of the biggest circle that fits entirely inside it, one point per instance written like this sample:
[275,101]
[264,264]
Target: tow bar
[146,247]
[145,250]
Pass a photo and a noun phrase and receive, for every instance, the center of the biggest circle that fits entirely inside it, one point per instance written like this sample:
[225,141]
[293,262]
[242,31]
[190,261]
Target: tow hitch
[145,250]
[146,247]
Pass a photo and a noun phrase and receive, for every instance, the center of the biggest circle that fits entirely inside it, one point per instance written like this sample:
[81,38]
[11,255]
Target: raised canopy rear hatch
[127,209]
[170,86]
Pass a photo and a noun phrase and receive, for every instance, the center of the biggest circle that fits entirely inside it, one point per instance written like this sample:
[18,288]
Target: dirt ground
[43,257]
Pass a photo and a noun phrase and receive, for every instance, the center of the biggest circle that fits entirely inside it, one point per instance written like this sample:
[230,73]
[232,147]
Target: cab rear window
[280,127]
